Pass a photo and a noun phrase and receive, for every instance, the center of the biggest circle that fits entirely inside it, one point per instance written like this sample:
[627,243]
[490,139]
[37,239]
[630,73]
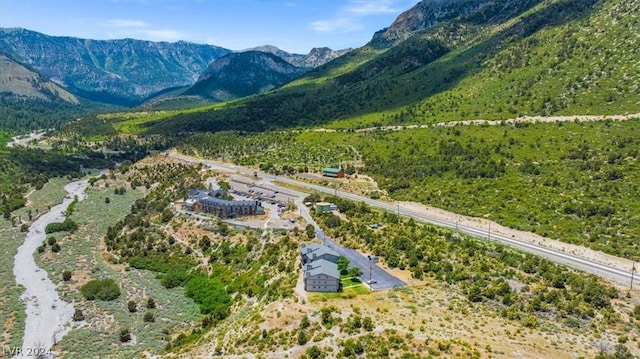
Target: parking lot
[273,200]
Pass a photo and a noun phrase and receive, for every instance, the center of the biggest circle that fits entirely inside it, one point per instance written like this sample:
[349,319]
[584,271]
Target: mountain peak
[424,15]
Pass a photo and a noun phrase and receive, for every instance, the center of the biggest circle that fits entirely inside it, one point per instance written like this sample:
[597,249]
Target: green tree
[304,322]
[66,276]
[303,338]
[343,265]
[102,289]
[151,304]
[149,317]
[310,230]
[315,352]
[131,305]
[125,335]
[355,272]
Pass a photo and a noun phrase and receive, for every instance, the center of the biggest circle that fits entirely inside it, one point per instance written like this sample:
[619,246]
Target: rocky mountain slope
[462,60]
[243,74]
[19,82]
[113,71]
[318,56]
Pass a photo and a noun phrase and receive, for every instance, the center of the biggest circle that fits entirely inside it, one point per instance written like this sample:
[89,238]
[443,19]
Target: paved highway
[619,275]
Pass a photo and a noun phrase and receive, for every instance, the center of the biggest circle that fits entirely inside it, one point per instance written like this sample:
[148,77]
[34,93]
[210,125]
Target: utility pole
[633,270]
[398,208]
[489,233]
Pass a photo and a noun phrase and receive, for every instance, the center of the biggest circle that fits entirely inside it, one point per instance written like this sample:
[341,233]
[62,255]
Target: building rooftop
[332,169]
[321,266]
[317,249]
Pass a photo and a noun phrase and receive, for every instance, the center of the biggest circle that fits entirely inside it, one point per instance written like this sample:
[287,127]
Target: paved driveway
[383,279]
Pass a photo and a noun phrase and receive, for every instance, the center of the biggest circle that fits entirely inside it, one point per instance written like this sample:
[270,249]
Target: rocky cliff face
[428,13]
[112,71]
[318,56]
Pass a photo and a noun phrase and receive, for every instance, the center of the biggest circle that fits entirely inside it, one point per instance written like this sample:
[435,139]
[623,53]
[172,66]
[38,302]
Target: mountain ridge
[119,71]
[502,60]
[242,74]
[20,82]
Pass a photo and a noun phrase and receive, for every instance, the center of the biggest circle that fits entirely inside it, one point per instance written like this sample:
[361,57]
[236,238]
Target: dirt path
[47,314]
[522,119]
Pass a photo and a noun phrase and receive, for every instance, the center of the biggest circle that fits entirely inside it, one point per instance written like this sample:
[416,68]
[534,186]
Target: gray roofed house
[320,271]
[312,252]
[321,275]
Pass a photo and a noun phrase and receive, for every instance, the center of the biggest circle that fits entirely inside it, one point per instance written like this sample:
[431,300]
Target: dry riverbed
[47,314]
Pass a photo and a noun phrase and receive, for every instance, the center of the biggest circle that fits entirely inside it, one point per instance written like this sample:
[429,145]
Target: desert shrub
[125,335]
[68,225]
[78,315]
[149,317]
[151,303]
[102,289]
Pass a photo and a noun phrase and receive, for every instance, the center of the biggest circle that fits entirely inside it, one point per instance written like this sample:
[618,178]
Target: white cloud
[367,7]
[349,17]
[137,29]
[126,23]
[337,25]
[168,35]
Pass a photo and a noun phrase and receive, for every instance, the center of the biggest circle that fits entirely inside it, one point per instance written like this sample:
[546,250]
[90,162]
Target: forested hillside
[496,60]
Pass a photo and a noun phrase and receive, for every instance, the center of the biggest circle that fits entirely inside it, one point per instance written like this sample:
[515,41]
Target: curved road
[619,275]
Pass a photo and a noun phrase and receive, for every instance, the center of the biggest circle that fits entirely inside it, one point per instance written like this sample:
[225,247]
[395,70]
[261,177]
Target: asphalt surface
[620,275]
[383,280]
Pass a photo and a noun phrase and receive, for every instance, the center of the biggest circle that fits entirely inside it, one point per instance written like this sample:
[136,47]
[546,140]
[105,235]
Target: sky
[293,25]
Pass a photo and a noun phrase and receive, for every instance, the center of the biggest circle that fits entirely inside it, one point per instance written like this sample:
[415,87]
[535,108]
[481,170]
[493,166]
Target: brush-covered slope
[112,71]
[243,74]
[30,101]
[460,60]
[19,82]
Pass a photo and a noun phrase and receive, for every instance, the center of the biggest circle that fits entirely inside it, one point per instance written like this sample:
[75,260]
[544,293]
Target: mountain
[19,82]
[243,74]
[318,56]
[30,101]
[429,13]
[112,71]
[459,60]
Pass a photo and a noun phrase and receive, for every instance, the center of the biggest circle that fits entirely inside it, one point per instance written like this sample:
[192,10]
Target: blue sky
[292,25]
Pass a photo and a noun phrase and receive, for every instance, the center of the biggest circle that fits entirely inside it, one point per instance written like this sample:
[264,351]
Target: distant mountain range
[127,72]
[318,56]
[248,72]
[113,71]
